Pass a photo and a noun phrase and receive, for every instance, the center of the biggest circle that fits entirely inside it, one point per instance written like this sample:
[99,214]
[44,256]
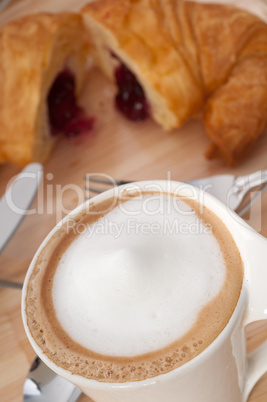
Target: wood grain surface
[121,149]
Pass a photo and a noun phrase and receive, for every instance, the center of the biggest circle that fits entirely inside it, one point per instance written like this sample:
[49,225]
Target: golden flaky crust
[189,56]
[33,50]
[137,33]
[235,115]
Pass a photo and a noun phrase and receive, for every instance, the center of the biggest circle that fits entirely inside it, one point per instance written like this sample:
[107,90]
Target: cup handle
[256,279]
[257,367]
[255,255]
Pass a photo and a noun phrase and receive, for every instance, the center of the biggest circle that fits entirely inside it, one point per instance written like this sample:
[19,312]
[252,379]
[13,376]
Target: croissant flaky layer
[188,57]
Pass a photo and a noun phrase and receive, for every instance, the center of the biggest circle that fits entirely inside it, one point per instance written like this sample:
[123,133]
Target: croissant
[186,57]
[41,56]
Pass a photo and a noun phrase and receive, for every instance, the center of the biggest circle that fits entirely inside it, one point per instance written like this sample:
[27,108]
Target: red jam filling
[64,113]
[130,99]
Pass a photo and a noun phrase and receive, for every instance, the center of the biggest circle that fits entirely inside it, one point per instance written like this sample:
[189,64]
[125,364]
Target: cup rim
[222,211]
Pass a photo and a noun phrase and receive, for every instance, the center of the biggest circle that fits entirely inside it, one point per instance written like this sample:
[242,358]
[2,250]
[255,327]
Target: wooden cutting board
[117,148]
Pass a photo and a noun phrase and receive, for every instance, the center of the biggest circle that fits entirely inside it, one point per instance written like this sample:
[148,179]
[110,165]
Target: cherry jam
[130,99]
[64,113]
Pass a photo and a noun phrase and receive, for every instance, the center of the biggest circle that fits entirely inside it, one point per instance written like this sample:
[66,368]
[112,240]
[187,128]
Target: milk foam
[135,281]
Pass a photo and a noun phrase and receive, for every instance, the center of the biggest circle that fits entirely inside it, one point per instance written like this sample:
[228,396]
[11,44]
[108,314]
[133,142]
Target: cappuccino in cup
[133,286]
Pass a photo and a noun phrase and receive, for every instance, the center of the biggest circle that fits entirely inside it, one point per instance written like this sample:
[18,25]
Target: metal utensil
[43,385]
[15,203]
[3,4]
[232,190]
[17,199]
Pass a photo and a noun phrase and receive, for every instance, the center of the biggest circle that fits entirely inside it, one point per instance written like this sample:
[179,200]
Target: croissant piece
[33,51]
[235,115]
[135,32]
[188,57]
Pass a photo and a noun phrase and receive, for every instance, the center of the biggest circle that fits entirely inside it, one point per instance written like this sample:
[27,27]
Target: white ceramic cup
[223,372]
